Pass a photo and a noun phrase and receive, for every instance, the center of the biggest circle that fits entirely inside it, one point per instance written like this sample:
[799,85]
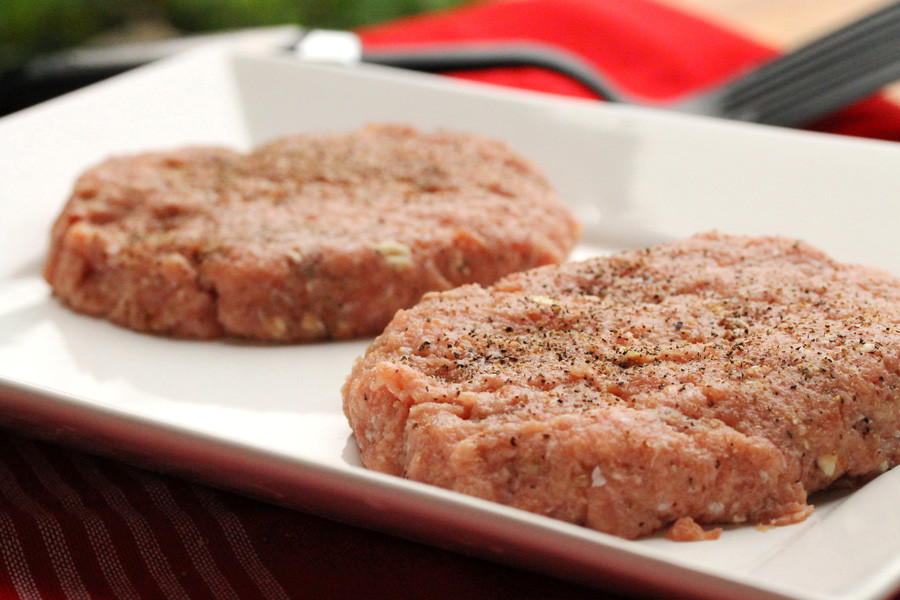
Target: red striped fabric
[75,526]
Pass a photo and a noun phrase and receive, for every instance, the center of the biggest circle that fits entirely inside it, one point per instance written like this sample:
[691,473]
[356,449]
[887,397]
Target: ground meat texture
[307,238]
[715,380]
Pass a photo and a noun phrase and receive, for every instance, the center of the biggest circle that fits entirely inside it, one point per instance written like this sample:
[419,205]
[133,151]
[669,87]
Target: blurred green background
[29,27]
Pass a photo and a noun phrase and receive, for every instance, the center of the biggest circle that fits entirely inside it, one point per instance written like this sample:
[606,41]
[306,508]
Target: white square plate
[267,420]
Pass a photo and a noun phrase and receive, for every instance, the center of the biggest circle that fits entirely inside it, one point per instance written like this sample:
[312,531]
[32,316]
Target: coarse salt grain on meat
[306,238]
[716,380]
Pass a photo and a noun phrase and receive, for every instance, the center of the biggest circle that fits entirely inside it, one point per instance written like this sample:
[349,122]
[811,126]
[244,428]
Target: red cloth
[649,49]
[74,525]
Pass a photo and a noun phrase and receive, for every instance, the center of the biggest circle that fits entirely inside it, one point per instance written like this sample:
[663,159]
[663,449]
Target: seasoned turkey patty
[719,379]
[306,238]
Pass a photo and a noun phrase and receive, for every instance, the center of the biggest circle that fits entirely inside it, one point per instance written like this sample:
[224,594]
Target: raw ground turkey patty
[308,237]
[718,379]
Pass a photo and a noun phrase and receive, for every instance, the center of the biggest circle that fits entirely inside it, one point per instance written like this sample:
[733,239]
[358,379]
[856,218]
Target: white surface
[267,420]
